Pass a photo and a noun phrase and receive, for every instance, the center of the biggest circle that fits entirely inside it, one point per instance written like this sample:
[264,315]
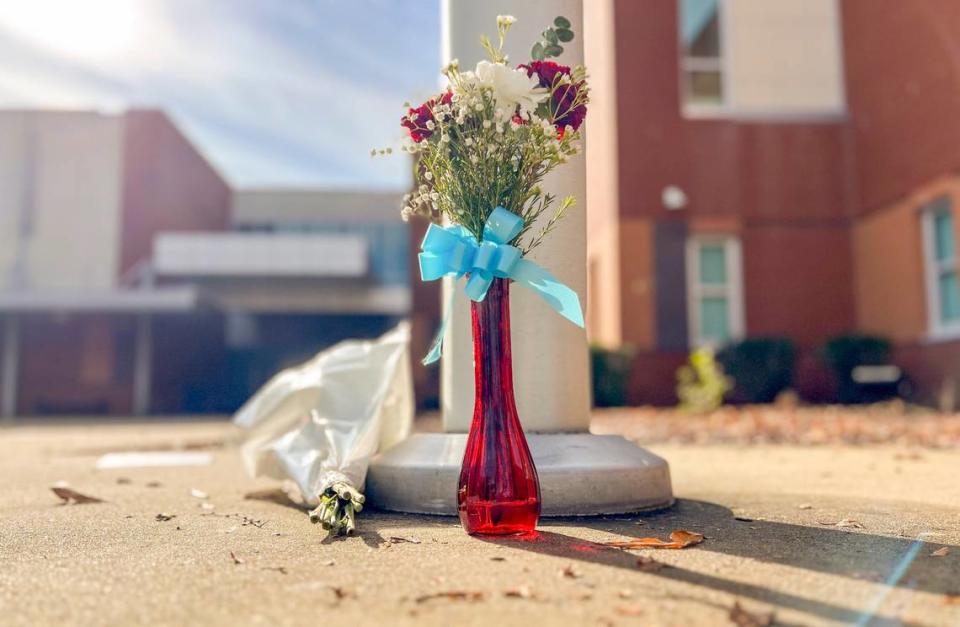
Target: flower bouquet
[482,149]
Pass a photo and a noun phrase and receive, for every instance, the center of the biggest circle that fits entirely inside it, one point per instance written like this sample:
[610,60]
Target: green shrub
[610,371]
[845,352]
[760,367]
[701,384]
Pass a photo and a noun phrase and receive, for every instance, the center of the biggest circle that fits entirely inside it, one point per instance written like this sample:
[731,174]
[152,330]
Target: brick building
[782,168]
[135,280]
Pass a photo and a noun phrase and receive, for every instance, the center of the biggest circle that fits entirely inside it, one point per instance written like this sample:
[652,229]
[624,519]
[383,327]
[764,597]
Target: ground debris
[569,572]
[951,599]
[453,595]
[403,539]
[679,539]
[743,618]
[237,560]
[649,565]
[124,481]
[280,569]
[849,523]
[629,610]
[198,494]
[153,484]
[941,552]
[253,522]
[804,506]
[520,592]
[164,517]
[498,558]
[69,495]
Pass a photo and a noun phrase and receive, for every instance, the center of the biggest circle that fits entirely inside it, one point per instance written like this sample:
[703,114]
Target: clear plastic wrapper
[322,422]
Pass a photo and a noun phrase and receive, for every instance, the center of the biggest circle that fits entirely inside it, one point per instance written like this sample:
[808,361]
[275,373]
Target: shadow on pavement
[829,550]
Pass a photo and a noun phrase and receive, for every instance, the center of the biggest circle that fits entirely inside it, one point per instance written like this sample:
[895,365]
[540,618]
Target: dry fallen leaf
[237,560]
[743,618]
[941,552]
[163,517]
[402,539]
[629,610]
[453,595]
[648,564]
[520,592]
[570,573]
[679,539]
[69,495]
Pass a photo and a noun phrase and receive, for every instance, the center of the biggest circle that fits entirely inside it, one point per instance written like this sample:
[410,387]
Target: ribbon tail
[560,297]
[436,348]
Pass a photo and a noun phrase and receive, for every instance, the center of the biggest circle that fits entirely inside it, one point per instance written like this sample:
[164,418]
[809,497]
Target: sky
[273,92]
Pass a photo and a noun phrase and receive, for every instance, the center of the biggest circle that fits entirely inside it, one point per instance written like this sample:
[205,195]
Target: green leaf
[564,35]
[550,35]
[537,52]
[561,22]
[553,50]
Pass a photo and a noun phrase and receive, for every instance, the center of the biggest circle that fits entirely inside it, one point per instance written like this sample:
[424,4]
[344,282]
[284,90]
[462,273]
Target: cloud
[293,92]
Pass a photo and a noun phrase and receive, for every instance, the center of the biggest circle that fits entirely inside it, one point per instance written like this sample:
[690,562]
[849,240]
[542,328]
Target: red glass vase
[499,492]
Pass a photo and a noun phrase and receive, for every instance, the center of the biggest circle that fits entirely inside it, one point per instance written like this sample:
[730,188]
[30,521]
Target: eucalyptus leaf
[561,22]
[550,35]
[537,52]
[564,35]
[553,50]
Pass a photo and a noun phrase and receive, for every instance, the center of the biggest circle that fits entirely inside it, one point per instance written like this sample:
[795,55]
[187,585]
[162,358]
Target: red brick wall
[167,186]
[903,88]
[753,168]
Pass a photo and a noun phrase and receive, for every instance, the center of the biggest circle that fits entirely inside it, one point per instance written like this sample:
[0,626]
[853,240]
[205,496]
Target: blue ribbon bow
[453,251]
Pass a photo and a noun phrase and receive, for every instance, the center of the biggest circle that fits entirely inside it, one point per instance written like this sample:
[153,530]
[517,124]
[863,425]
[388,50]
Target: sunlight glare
[85,30]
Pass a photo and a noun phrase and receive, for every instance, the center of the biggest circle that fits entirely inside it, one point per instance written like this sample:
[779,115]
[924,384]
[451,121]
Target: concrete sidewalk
[809,533]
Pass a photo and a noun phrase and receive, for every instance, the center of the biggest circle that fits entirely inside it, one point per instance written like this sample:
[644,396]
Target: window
[714,291]
[702,63]
[943,290]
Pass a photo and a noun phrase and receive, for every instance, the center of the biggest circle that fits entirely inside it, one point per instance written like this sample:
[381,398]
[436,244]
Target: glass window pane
[949,297]
[943,233]
[699,27]
[714,324]
[713,264]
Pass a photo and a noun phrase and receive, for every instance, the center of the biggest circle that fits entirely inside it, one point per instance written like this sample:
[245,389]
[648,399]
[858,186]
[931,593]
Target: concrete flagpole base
[581,474]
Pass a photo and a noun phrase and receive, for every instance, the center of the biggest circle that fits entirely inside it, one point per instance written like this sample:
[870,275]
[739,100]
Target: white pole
[143,365]
[9,368]
[550,360]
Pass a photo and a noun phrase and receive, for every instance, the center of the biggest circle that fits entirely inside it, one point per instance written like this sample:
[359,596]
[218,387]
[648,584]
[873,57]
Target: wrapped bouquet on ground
[319,424]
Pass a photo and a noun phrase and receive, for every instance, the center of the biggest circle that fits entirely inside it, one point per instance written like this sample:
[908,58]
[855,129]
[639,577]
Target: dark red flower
[416,119]
[546,71]
[561,106]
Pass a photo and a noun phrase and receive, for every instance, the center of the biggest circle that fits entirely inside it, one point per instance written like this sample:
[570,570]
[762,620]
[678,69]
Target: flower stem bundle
[338,507]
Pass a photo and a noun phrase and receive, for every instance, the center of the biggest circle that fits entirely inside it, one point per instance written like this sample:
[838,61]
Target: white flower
[510,87]
[486,124]
[506,20]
